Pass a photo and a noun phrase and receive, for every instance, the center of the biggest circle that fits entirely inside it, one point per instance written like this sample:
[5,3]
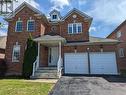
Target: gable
[28,6]
[76,11]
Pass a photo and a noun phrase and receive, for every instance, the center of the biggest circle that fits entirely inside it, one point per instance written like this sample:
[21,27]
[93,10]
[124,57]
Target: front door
[53,56]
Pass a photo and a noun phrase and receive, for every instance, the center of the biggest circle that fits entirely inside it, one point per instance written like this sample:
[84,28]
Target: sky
[106,14]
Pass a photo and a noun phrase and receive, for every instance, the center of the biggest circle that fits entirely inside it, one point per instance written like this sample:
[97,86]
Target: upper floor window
[19,26]
[54,17]
[118,34]
[30,25]
[74,28]
[121,52]
[16,53]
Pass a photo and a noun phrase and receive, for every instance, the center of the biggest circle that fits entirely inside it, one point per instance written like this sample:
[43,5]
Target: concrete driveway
[87,86]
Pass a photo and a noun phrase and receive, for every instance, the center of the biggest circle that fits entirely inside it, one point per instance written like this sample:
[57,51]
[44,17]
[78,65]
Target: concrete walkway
[42,80]
[87,86]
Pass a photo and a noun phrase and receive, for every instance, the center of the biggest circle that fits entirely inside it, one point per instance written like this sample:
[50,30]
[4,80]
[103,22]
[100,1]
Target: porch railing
[35,66]
[59,67]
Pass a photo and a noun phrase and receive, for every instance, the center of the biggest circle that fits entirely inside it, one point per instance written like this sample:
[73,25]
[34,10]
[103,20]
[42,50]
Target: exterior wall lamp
[75,49]
[101,48]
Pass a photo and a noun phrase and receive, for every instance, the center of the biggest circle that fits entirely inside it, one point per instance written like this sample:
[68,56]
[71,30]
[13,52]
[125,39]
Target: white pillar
[59,49]
[38,55]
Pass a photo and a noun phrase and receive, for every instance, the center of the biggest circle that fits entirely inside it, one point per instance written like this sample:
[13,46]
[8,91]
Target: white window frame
[118,34]
[27,25]
[121,52]
[14,47]
[77,24]
[56,16]
[16,26]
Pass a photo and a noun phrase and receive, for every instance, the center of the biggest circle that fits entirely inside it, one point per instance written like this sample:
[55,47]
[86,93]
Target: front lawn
[20,87]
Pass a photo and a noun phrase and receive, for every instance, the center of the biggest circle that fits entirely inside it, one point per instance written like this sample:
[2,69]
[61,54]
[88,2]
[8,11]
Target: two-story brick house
[63,44]
[120,34]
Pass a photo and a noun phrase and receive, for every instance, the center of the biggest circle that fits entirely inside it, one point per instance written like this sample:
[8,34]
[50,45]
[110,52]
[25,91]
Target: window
[74,28]
[118,34]
[54,16]
[121,52]
[16,53]
[31,25]
[70,28]
[19,26]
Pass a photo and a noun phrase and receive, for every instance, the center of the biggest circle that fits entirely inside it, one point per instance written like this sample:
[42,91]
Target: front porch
[49,61]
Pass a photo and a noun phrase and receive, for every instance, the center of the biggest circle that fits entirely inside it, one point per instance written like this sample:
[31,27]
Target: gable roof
[96,41]
[54,11]
[86,17]
[117,29]
[3,40]
[104,40]
[20,7]
[79,12]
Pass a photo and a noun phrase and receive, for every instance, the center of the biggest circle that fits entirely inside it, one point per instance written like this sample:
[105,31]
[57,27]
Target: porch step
[46,72]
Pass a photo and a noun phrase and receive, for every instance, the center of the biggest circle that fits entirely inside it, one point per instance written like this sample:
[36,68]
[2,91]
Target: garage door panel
[76,63]
[103,63]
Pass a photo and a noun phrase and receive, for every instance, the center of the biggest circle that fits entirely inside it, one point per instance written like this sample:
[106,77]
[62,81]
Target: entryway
[53,56]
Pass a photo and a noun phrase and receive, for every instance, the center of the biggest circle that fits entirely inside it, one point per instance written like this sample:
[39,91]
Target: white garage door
[76,63]
[103,63]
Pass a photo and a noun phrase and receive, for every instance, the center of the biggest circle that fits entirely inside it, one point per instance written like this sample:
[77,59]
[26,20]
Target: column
[38,55]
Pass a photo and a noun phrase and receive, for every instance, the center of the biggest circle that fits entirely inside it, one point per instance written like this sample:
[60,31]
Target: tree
[30,56]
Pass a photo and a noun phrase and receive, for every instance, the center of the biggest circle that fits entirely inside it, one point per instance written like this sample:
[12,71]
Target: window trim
[56,16]
[121,52]
[16,26]
[27,25]
[19,46]
[77,24]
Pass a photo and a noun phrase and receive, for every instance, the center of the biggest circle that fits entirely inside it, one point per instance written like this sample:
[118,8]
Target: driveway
[87,86]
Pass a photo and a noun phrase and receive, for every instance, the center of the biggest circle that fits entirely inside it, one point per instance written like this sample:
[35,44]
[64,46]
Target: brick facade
[43,27]
[121,28]
[21,37]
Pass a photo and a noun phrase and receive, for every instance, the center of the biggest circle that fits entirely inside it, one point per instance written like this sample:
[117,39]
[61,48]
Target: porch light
[75,49]
[101,48]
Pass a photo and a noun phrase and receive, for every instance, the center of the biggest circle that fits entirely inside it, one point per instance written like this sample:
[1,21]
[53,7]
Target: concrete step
[47,68]
[46,72]
[45,76]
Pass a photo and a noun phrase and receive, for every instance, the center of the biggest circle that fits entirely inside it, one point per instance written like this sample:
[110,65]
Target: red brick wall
[122,29]
[21,37]
[84,36]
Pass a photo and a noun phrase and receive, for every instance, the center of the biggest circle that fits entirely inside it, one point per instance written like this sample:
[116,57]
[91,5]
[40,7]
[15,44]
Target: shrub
[29,58]
[3,67]
[123,73]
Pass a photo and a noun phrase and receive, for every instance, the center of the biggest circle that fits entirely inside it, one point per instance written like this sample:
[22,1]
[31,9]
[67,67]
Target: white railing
[59,67]
[35,66]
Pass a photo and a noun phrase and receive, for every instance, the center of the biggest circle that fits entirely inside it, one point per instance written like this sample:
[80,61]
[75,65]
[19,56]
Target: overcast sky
[107,14]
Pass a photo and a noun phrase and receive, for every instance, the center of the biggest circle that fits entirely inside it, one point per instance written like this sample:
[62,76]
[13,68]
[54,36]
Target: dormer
[55,15]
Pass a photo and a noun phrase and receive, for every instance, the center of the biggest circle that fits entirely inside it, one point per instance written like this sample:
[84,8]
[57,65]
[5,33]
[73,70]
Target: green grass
[20,87]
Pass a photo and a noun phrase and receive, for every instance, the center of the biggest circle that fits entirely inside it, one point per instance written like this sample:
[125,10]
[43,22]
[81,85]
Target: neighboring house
[63,43]
[120,34]
[2,46]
